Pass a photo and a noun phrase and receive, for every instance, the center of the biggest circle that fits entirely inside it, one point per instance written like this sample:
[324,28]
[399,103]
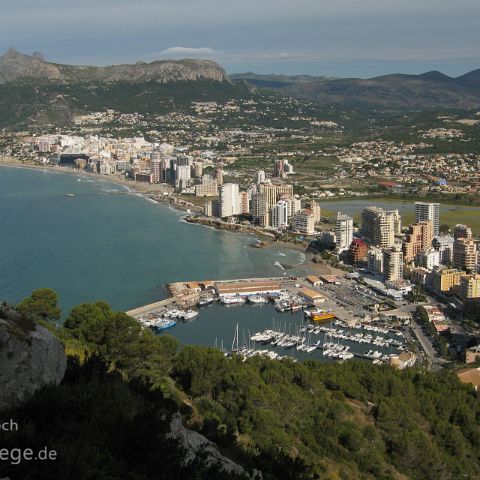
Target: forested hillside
[55,103]
[289,420]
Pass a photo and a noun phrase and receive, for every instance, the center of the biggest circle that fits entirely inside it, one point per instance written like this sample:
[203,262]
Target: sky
[340,38]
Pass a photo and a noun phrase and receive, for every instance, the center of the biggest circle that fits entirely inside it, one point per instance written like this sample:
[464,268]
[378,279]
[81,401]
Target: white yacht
[233,300]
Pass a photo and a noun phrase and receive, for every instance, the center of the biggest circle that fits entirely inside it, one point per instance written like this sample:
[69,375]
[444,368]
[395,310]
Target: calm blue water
[100,244]
[216,324]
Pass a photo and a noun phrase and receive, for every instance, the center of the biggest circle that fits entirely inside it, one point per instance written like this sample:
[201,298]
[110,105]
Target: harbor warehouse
[247,288]
[315,281]
[312,296]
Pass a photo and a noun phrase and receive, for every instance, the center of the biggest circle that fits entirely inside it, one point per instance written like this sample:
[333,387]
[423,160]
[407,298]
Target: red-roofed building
[357,251]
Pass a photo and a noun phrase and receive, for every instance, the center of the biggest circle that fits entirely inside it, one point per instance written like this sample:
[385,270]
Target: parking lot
[349,300]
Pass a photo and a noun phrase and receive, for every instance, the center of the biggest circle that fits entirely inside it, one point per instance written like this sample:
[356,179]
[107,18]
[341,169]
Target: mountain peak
[11,52]
[470,79]
[435,75]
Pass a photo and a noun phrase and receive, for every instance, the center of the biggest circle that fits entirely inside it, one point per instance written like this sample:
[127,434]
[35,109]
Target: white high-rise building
[229,200]
[375,260]
[303,222]
[316,210]
[429,258]
[261,177]
[397,221]
[343,231]
[280,215]
[425,211]
[183,175]
[444,245]
[294,205]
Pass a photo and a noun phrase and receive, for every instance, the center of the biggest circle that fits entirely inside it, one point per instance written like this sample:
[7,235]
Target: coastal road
[434,362]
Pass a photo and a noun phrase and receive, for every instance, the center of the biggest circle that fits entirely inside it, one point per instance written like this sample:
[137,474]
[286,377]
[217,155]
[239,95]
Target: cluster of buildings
[266,204]
[405,168]
[243,128]
[448,264]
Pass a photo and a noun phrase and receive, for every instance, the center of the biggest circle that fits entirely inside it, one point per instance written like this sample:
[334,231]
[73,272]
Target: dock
[152,307]
[187,294]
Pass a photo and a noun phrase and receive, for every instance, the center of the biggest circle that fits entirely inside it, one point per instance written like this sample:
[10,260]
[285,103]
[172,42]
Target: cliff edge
[30,358]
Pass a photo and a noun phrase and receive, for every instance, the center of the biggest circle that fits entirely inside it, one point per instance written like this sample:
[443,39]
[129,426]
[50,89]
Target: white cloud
[193,52]
[226,56]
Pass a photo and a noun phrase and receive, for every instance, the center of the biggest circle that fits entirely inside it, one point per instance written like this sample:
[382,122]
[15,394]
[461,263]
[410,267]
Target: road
[434,362]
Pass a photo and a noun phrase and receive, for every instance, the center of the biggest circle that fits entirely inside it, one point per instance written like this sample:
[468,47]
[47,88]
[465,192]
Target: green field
[469,216]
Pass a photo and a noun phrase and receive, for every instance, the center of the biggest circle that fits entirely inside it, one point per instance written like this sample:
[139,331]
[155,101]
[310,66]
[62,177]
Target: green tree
[41,305]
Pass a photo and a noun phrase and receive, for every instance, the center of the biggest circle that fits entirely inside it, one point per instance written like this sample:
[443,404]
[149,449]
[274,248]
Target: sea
[90,239]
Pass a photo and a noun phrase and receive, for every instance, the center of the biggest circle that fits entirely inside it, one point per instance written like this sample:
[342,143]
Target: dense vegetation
[53,102]
[291,420]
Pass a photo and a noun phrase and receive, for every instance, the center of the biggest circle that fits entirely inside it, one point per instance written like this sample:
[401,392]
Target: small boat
[322,317]
[257,299]
[70,195]
[232,300]
[189,315]
[164,323]
[205,301]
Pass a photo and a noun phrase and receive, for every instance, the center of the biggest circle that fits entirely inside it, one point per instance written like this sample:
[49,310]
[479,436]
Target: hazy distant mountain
[431,89]
[274,80]
[15,65]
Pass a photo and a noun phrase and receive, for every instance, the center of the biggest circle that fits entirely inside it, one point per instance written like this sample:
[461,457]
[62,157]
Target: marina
[275,318]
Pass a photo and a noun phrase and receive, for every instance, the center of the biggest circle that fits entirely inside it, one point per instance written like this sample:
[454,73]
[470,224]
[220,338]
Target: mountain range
[428,90]
[388,92]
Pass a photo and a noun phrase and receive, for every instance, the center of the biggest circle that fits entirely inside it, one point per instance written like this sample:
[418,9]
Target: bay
[106,243]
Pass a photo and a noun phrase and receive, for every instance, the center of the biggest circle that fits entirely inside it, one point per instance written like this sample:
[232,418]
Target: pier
[187,294]
[152,307]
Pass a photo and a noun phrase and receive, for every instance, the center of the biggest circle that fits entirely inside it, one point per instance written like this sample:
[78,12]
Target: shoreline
[153,192]
[155,195]
[155,189]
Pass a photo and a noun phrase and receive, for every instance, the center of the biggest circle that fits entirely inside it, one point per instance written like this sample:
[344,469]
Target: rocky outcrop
[15,65]
[196,445]
[232,227]
[30,358]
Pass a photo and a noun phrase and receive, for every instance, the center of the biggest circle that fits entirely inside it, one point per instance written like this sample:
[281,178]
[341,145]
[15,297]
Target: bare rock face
[30,358]
[15,65]
[196,444]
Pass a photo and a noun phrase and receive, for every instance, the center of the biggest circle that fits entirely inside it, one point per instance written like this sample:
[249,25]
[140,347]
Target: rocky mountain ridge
[390,92]
[15,65]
